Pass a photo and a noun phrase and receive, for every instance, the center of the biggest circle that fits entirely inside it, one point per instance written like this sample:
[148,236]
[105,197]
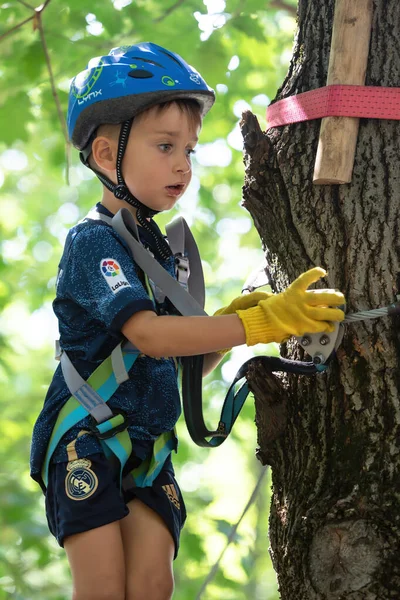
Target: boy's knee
[98,596]
[109,592]
[156,586]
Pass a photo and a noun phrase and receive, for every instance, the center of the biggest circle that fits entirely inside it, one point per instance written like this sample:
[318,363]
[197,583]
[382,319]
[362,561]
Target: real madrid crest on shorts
[81,482]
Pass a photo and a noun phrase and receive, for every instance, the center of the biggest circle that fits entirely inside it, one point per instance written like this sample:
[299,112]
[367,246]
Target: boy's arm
[211,361]
[188,336]
[295,311]
[160,336]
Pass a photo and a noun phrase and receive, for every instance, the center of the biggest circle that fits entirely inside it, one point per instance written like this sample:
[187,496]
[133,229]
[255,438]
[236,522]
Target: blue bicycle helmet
[117,87]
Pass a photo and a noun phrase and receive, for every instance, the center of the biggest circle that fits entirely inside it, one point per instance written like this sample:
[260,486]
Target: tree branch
[26,4]
[53,85]
[4,35]
[37,12]
[169,11]
[41,8]
[232,533]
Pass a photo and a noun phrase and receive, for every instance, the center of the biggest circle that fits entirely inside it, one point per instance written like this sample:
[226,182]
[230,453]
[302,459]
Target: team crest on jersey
[81,482]
[113,274]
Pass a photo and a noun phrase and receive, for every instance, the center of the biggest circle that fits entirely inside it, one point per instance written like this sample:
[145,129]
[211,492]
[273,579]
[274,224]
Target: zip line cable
[368,314]
[232,534]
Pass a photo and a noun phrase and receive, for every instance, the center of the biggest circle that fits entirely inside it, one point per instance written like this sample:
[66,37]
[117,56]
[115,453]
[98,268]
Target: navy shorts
[84,494]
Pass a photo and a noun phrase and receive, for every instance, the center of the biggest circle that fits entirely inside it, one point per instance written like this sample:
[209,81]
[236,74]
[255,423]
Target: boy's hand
[243,302]
[295,311]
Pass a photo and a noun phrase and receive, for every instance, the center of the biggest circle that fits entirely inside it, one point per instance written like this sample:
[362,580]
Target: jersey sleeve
[102,277]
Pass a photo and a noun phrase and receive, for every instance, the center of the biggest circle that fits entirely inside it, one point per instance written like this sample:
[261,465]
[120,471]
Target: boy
[135,115]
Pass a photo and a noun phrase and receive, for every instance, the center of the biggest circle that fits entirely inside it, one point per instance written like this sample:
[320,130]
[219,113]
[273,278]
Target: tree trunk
[333,440]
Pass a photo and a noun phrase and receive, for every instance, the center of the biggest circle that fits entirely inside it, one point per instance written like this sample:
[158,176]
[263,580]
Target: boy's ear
[104,153]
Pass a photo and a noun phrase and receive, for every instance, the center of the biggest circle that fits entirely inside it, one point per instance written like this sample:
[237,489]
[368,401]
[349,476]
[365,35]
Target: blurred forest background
[242,49]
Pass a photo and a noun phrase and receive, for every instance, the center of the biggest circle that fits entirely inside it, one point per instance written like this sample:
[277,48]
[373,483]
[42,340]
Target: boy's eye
[190,151]
[165,147]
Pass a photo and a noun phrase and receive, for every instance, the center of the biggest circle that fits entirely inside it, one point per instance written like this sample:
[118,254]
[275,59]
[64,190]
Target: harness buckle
[182,268]
[109,433]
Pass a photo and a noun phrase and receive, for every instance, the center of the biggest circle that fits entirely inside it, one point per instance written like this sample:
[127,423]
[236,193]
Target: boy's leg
[84,508]
[151,534]
[96,559]
[149,552]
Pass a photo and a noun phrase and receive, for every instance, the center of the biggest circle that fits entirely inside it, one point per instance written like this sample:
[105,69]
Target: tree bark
[333,440]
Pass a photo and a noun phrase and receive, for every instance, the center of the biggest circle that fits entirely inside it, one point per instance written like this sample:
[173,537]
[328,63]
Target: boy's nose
[184,166]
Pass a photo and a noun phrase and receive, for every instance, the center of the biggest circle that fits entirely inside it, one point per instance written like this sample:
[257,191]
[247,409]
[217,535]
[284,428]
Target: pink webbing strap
[336,101]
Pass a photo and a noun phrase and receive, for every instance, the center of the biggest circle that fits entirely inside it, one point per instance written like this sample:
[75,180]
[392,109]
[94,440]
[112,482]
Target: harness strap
[118,365]
[147,471]
[183,244]
[124,223]
[104,384]
[234,400]
[193,405]
[83,392]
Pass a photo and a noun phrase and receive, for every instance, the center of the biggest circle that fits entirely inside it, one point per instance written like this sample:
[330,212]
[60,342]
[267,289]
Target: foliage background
[243,50]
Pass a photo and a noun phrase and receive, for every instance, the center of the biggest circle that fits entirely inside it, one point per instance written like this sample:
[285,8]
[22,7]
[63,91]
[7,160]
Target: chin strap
[121,192]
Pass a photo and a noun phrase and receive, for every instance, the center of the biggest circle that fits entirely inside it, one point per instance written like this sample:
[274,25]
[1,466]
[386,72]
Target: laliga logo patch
[113,274]
[81,482]
[110,268]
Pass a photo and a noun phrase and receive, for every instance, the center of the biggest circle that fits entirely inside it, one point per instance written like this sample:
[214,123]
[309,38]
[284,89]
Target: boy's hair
[189,107]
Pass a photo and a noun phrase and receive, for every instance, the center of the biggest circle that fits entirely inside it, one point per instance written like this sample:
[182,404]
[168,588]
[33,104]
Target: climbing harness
[90,397]
[186,293]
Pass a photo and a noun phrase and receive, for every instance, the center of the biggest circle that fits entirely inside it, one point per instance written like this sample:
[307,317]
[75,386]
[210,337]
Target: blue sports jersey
[91,307]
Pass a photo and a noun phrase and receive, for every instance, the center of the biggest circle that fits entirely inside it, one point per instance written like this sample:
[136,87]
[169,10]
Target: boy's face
[157,162]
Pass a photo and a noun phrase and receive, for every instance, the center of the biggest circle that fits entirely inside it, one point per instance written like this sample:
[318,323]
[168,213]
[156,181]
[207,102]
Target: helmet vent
[172,58]
[140,74]
[147,60]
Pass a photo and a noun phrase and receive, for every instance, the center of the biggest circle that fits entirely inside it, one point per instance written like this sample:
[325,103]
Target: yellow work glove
[242,302]
[295,311]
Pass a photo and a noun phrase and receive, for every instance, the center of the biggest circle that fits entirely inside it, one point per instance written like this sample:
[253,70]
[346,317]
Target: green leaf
[32,62]
[250,26]
[14,117]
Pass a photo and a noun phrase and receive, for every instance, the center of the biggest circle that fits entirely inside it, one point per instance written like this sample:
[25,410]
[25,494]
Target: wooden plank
[347,66]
